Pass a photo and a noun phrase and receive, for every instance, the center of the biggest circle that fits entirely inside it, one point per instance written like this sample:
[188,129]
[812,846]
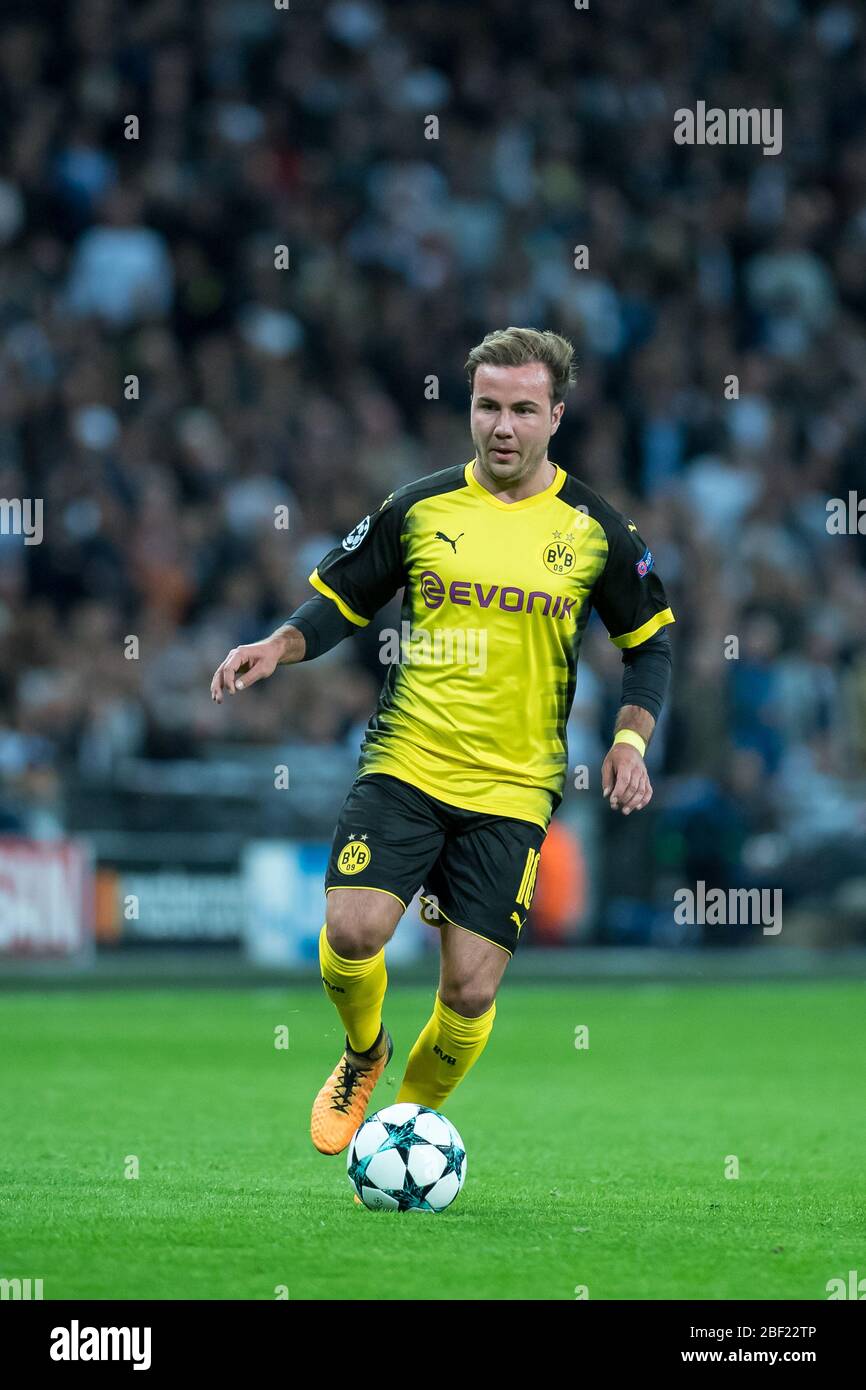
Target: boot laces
[346,1083]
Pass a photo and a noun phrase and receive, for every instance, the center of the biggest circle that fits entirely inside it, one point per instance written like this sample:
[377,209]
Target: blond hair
[515,347]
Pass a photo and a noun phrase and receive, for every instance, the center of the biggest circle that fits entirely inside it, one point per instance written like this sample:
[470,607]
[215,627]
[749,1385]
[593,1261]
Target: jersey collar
[537,500]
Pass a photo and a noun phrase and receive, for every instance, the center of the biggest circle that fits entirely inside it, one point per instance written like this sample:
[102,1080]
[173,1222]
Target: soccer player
[463,762]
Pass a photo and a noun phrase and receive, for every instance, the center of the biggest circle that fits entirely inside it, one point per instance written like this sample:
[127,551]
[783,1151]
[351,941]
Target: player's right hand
[243,667]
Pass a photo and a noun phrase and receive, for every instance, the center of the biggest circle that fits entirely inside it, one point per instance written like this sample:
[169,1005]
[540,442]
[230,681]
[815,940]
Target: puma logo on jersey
[516,918]
[441,536]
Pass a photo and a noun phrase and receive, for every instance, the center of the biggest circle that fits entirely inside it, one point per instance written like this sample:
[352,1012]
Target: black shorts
[477,869]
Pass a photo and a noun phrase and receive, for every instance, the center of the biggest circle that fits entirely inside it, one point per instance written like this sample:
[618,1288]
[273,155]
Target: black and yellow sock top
[497,595]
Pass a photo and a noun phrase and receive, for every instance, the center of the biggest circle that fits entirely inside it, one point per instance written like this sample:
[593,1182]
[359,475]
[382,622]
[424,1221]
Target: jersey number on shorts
[527,883]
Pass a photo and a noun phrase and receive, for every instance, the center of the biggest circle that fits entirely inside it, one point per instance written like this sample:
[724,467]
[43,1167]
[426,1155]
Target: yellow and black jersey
[481,677]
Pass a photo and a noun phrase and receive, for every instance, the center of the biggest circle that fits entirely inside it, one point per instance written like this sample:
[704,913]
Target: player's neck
[540,479]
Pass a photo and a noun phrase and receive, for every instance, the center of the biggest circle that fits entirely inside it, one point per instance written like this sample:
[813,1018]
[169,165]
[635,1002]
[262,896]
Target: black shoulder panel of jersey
[431,485]
[583,499]
[628,595]
[366,569]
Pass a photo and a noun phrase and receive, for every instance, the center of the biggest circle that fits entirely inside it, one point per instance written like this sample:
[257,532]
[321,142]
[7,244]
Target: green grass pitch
[602,1167]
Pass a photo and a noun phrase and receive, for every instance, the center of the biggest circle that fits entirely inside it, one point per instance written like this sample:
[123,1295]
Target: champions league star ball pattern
[407,1158]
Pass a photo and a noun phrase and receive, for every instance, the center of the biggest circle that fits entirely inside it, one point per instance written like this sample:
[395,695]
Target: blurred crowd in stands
[164,387]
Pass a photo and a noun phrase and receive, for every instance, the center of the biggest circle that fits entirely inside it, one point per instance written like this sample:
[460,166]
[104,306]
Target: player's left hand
[625,780]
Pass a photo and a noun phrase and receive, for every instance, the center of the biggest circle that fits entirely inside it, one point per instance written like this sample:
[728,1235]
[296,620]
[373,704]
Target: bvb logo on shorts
[559,556]
[353,857]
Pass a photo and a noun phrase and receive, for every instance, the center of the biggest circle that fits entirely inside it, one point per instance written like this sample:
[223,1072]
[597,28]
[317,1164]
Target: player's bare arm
[624,776]
[257,660]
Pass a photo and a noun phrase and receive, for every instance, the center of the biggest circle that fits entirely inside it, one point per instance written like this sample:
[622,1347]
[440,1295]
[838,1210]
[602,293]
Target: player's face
[512,420]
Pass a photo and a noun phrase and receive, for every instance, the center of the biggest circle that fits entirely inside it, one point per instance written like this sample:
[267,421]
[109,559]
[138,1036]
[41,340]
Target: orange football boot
[341,1105]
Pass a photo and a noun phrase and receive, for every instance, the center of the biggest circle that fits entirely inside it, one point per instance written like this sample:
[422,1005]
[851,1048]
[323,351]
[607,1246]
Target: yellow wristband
[629,736]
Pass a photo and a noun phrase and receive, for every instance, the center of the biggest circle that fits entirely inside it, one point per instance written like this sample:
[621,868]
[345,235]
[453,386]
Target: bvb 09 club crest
[353,857]
[559,556]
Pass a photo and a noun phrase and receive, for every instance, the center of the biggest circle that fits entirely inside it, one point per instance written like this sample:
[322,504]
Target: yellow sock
[357,987]
[446,1050]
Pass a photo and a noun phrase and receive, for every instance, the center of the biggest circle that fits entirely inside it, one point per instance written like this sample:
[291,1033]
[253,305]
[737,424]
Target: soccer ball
[407,1158]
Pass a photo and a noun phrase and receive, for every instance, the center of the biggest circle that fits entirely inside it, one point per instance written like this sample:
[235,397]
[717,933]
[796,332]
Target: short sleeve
[366,569]
[629,596]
